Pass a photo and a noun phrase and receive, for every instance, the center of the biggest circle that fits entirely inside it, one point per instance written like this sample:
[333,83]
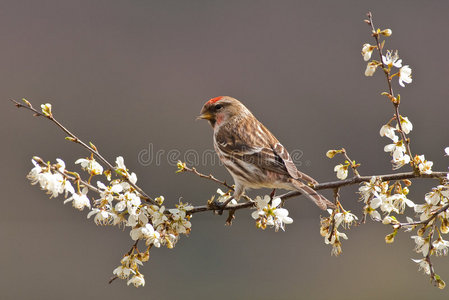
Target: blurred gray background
[130,74]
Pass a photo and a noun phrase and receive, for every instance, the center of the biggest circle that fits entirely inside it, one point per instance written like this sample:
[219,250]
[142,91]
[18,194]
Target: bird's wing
[290,166]
[251,143]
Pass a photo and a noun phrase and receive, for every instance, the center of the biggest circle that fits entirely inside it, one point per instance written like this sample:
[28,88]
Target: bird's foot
[219,207]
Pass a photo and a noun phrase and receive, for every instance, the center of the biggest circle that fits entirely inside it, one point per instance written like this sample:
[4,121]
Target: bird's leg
[272,194]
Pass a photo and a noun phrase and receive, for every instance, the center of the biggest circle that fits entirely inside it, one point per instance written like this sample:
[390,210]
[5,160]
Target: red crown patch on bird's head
[213,100]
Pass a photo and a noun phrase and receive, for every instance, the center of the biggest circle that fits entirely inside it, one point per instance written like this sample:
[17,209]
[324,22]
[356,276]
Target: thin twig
[375,34]
[351,162]
[321,186]
[209,177]
[75,139]
[429,261]
[212,178]
[332,226]
[426,221]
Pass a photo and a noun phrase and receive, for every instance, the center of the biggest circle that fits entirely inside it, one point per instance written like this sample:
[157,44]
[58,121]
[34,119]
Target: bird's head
[222,109]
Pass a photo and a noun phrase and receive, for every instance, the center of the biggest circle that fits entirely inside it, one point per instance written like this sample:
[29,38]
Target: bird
[252,154]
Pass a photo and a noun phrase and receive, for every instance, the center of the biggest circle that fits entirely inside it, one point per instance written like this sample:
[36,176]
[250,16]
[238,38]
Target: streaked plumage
[251,153]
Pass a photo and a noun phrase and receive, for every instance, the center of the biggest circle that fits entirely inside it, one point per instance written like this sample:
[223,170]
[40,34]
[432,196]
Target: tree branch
[75,139]
[321,186]
[395,101]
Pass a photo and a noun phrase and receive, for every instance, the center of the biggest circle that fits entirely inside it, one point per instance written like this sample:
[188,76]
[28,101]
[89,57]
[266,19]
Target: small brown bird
[251,153]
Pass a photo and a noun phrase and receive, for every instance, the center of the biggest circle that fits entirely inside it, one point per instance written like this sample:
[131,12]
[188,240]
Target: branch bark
[322,186]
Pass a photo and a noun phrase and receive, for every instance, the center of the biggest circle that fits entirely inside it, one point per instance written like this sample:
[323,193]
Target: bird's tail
[313,195]
[306,178]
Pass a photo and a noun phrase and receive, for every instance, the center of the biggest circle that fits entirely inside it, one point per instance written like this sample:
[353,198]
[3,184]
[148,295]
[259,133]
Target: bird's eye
[218,106]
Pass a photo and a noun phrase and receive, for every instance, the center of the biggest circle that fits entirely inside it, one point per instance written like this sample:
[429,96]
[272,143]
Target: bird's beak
[206,116]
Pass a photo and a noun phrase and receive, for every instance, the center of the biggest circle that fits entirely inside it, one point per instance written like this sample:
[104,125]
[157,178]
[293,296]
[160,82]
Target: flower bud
[370,68]
[386,32]
[46,109]
[26,102]
[390,237]
[332,153]
[440,282]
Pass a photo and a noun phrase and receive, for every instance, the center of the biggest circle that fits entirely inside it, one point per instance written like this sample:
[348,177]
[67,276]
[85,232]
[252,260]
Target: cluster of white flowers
[392,199]
[51,181]
[270,214]
[390,59]
[397,149]
[118,204]
[424,166]
[434,201]
[342,169]
[329,227]
[378,194]
[434,219]
[129,264]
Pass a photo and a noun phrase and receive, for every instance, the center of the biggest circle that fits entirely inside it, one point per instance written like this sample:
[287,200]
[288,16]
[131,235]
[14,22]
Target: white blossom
[406,125]
[400,201]
[179,222]
[157,215]
[342,171]
[441,246]
[53,183]
[136,233]
[131,261]
[270,215]
[391,59]
[152,237]
[46,109]
[368,188]
[422,244]
[60,165]
[107,192]
[371,68]
[423,265]
[389,132]
[424,211]
[375,215]
[397,151]
[33,175]
[439,193]
[346,218]
[405,75]
[224,197]
[102,216]
[90,165]
[386,204]
[122,272]
[401,161]
[367,51]
[424,166]
[79,200]
[137,280]
[120,163]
